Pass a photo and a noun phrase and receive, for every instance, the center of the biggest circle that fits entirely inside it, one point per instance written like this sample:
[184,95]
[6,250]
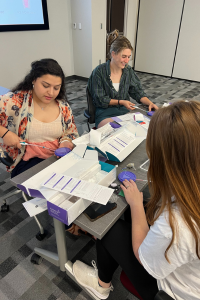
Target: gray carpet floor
[19,278]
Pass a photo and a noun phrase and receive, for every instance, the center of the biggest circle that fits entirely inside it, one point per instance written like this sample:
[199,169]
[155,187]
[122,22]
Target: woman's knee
[104,122]
[120,231]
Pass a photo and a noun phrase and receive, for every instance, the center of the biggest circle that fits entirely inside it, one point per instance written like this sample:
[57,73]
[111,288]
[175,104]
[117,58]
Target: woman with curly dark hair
[36,111]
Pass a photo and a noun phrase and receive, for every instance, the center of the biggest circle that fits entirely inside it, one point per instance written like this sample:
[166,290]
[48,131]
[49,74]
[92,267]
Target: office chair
[6,160]
[90,112]
[161,295]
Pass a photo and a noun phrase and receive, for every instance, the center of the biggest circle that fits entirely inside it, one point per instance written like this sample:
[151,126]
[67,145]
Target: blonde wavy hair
[116,43]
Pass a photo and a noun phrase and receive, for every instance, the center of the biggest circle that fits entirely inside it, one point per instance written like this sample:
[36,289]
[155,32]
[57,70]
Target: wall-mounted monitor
[21,15]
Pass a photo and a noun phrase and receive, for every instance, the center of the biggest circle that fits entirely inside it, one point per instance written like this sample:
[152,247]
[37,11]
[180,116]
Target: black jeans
[116,249]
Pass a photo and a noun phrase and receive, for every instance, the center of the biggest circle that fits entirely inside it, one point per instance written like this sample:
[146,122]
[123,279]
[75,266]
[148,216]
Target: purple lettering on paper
[75,186]
[113,146]
[50,178]
[58,181]
[66,184]
[121,141]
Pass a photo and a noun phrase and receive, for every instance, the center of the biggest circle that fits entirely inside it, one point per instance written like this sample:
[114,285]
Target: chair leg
[43,232]
[5,206]
[88,126]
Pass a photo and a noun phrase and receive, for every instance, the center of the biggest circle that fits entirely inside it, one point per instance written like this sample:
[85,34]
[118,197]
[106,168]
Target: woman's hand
[67,144]
[133,196]
[12,140]
[152,106]
[128,104]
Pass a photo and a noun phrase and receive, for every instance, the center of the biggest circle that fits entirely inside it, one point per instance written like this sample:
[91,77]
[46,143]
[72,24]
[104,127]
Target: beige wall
[98,34]
[89,43]
[82,39]
[77,51]
[19,49]
[130,25]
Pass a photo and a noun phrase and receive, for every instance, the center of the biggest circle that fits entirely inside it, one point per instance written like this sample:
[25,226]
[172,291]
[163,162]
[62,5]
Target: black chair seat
[86,114]
[6,160]
[90,112]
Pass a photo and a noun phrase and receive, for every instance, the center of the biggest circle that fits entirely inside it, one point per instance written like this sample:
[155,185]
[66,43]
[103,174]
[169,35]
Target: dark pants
[116,249]
[25,165]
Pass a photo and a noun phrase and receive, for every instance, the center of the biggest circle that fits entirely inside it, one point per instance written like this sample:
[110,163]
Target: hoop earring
[33,86]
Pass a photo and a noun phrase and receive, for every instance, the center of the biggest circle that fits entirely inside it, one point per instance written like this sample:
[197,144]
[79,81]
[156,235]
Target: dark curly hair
[40,68]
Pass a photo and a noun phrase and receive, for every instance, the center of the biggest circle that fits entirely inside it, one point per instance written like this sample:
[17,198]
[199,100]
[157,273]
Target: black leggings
[25,165]
[116,249]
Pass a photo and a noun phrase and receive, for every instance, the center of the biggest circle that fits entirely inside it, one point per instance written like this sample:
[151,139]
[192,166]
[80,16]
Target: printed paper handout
[117,143]
[78,187]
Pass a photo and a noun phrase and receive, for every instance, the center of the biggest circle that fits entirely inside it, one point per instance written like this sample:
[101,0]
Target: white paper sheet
[116,144]
[126,117]
[80,149]
[78,187]
[91,155]
[35,206]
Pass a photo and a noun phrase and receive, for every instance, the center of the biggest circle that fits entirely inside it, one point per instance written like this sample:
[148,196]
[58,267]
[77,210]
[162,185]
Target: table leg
[61,243]
[58,259]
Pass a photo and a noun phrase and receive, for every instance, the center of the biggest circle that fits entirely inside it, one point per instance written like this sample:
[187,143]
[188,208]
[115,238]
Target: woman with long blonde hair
[165,256]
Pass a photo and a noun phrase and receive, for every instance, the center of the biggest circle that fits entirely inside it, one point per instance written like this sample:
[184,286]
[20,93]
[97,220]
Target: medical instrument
[58,152]
[28,144]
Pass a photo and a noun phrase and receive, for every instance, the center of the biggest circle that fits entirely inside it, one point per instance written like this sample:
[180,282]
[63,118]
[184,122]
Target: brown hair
[116,43]
[173,147]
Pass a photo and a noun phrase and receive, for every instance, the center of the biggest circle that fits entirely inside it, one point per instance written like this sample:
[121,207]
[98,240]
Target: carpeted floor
[19,278]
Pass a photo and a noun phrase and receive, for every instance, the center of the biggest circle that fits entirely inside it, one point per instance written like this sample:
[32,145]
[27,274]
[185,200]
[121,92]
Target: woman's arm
[71,131]
[10,138]
[140,226]
[136,91]
[146,101]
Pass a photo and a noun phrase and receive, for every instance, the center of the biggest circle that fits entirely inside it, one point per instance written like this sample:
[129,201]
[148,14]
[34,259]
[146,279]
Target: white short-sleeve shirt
[181,277]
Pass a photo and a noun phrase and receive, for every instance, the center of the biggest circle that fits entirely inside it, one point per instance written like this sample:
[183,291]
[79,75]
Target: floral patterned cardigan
[16,113]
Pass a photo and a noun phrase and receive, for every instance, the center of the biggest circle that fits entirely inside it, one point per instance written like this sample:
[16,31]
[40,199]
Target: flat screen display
[17,15]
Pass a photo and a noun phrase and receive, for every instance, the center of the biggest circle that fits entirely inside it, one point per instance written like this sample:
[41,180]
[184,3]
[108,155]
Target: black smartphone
[96,211]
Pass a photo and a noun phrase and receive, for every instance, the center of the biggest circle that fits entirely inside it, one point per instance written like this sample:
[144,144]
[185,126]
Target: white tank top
[40,132]
[116,86]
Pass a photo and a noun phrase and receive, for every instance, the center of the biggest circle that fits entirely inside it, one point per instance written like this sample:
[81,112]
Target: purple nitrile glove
[62,151]
[126,175]
[150,113]
[115,125]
